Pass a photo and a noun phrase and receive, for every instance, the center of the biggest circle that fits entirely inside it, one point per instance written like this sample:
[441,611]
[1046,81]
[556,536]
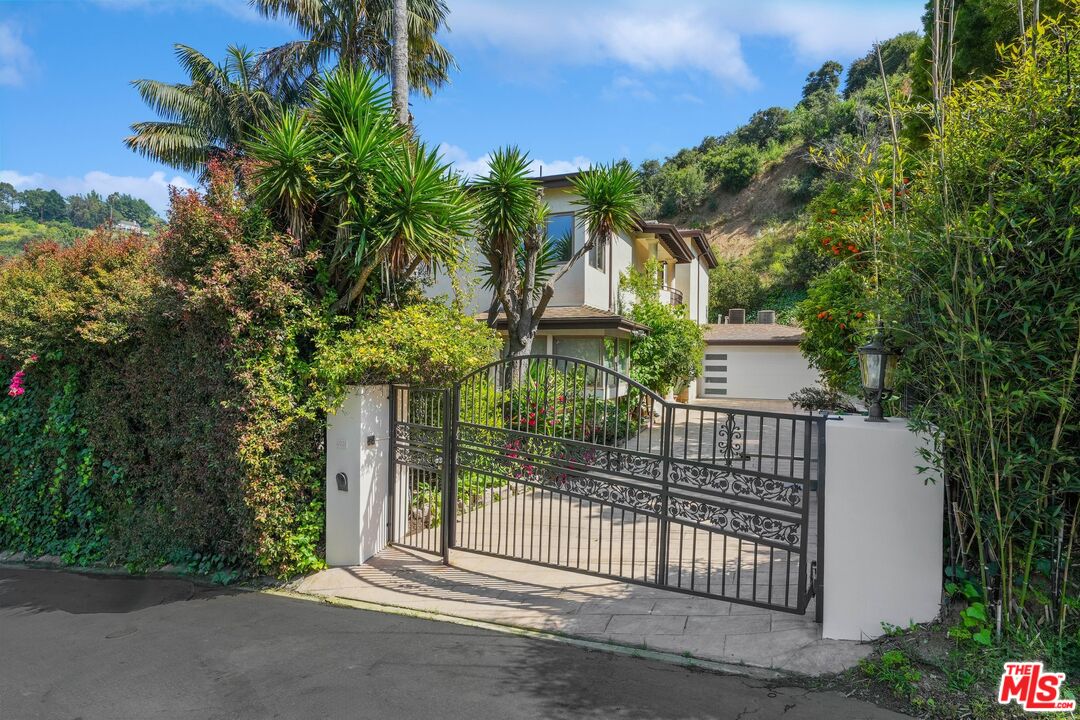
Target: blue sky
[572,82]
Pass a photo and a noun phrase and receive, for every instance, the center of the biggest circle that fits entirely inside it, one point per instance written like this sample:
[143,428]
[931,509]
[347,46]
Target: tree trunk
[399,62]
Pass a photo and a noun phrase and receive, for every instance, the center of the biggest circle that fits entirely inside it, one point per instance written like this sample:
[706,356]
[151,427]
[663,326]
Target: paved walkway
[529,596]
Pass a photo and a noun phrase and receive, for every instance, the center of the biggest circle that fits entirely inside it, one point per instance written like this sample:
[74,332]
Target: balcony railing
[671,296]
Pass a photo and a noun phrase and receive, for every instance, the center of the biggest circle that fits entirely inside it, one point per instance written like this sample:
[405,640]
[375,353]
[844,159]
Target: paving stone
[646,624]
[690,606]
[727,624]
[630,606]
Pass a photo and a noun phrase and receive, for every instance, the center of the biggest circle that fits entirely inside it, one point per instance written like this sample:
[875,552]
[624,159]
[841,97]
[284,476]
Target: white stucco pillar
[883,529]
[357,445]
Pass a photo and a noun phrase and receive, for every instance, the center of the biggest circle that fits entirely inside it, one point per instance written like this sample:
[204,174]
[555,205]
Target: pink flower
[15,386]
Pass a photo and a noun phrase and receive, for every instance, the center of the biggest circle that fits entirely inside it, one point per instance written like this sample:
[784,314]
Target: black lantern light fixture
[877,365]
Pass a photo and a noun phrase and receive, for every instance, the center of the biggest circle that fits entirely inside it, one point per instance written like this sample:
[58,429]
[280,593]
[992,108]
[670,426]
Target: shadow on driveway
[80,593]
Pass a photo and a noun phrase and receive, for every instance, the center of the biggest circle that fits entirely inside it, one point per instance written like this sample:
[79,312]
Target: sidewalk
[527,596]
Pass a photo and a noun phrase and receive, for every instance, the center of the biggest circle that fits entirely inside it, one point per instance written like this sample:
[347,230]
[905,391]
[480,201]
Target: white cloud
[154,189]
[679,35]
[623,87]
[635,35]
[16,59]
[473,167]
[820,29]
[689,98]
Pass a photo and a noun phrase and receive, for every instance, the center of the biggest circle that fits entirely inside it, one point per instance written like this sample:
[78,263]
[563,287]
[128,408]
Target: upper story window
[598,255]
[560,232]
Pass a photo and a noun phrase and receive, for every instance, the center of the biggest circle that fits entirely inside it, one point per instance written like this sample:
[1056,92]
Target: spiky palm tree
[513,238]
[356,33]
[207,116]
[344,174]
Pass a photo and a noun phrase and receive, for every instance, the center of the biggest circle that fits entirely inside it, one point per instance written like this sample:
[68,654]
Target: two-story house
[585,318]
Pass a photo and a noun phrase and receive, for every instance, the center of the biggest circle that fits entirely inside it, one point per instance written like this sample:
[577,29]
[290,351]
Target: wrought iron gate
[562,462]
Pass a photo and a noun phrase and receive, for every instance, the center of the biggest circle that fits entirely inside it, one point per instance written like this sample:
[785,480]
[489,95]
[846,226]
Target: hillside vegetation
[750,190]
[36,214]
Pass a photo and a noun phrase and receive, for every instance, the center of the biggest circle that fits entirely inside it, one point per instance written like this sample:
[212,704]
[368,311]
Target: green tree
[357,33]
[88,211]
[671,354]
[825,79]
[342,175]
[896,57]
[42,205]
[765,126]
[732,165]
[980,26]
[126,207]
[734,284]
[511,232]
[8,197]
[209,116]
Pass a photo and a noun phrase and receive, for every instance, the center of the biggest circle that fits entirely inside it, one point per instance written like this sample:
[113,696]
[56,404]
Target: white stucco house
[585,317]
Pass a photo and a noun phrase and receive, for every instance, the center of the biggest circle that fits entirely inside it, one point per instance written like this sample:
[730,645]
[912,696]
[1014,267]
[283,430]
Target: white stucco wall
[883,530]
[766,372]
[356,518]
[703,294]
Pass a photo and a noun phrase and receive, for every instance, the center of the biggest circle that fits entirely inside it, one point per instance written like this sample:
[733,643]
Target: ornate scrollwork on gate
[422,458]
[733,520]
[609,492]
[404,433]
[620,461]
[729,439]
[731,482]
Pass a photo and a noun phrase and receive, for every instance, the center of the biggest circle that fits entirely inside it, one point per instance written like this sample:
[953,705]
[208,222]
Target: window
[583,348]
[560,232]
[598,255]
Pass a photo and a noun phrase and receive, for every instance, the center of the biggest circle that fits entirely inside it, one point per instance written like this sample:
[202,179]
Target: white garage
[754,361]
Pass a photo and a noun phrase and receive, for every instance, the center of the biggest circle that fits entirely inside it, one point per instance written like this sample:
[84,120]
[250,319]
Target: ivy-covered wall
[164,400]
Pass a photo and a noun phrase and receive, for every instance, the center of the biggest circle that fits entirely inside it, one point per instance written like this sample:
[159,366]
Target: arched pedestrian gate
[561,462]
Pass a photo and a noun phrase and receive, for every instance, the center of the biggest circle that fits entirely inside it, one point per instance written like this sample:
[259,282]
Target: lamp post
[877,365]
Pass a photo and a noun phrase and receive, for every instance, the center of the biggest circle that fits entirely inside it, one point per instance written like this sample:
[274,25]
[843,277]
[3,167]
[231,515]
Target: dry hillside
[733,221]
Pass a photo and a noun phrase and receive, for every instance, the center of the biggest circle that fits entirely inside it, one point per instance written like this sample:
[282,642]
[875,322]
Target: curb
[714,666]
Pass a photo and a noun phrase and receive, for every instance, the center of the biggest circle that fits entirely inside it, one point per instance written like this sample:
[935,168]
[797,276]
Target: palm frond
[177,144]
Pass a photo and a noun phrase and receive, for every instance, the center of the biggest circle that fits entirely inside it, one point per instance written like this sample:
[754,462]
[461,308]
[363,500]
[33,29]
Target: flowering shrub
[171,412]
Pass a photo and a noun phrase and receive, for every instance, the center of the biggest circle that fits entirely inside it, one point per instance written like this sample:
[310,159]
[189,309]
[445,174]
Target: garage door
[758,372]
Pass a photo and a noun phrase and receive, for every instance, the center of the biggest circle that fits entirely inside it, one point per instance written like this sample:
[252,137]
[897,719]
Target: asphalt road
[95,646]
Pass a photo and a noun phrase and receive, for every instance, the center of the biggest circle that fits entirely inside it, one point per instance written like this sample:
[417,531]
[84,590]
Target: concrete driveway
[91,646]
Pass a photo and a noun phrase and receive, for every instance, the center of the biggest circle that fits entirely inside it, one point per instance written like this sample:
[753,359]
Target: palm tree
[343,175]
[357,33]
[512,235]
[208,116]
[399,72]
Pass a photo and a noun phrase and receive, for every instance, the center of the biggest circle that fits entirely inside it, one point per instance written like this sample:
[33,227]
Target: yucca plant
[343,176]
[522,266]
